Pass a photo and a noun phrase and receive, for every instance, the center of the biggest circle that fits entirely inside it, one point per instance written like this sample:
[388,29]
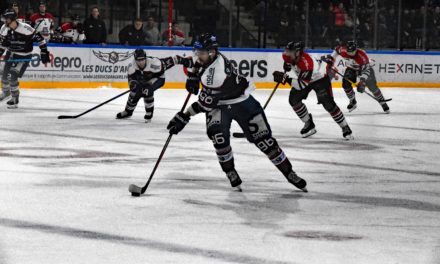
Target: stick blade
[238,135]
[135,190]
[65,117]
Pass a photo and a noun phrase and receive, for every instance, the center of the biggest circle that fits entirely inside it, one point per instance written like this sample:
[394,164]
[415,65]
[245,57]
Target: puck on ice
[135,194]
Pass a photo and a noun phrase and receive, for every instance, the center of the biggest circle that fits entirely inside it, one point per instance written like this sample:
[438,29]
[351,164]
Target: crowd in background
[93,30]
[330,22]
[333,21]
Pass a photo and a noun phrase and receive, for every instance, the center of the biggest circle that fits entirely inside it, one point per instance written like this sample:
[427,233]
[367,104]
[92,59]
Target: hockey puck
[135,194]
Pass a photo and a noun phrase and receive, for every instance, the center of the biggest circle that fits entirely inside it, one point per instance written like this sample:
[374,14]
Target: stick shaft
[164,149]
[101,104]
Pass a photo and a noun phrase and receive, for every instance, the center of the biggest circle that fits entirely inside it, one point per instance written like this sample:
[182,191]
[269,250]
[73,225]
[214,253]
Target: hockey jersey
[222,85]
[153,70]
[21,38]
[68,30]
[308,69]
[359,61]
[43,23]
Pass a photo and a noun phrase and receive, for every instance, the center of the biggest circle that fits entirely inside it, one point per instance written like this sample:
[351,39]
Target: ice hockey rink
[64,184]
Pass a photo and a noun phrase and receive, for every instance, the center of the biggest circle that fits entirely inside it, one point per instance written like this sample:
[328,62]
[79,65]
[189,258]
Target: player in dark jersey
[17,38]
[358,65]
[225,96]
[145,75]
[309,74]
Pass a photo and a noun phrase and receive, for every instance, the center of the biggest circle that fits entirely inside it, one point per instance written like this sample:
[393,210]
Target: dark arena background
[73,164]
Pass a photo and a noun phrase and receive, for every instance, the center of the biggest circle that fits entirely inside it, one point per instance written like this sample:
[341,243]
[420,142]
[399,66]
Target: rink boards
[92,66]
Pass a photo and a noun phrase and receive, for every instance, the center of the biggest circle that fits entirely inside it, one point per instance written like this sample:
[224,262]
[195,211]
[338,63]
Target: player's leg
[295,100]
[218,123]
[322,88]
[351,75]
[149,107]
[6,88]
[372,86]
[16,71]
[250,116]
[133,98]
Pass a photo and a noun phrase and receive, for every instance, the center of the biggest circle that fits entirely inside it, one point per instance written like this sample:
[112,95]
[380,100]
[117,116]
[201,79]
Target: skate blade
[352,109]
[12,106]
[387,112]
[237,188]
[349,137]
[308,134]
[304,189]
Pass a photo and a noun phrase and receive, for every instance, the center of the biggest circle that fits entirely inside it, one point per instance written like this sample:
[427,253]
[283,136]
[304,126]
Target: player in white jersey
[145,75]
[225,96]
[17,38]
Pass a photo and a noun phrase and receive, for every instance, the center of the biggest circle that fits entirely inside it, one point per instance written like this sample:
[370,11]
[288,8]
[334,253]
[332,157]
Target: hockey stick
[136,190]
[21,60]
[91,109]
[241,135]
[353,83]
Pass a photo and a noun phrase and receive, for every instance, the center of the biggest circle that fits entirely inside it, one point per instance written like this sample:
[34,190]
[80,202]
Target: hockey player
[225,96]
[145,75]
[17,39]
[70,32]
[43,21]
[311,75]
[358,64]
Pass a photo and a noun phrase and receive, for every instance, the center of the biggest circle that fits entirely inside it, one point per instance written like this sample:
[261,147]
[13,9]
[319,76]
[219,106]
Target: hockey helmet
[140,54]
[206,41]
[351,46]
[9,14]
[295,46]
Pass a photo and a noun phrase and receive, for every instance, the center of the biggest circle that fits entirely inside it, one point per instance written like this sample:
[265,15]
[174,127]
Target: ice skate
[352,105]
[124,114]
[385,107]
[309,128]
[13,103]
[235,180]
[347,133]
[297,181]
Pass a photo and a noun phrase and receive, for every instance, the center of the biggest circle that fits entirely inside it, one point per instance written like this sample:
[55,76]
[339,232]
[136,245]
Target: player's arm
[44,53]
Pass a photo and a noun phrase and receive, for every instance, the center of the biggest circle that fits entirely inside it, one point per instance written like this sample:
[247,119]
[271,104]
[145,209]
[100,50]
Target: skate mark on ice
[375,201]
[25,152]
[169,248]
[322,235]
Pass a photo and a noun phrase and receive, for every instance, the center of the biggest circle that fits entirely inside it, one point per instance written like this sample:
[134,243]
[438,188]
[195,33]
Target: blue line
[391,52]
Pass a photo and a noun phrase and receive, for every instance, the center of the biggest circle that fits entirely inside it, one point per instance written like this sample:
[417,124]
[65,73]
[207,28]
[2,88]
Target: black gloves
[44,54]
[328,59]
[193,83]
[287,67]
[178,122]
[186,62]
[281,77]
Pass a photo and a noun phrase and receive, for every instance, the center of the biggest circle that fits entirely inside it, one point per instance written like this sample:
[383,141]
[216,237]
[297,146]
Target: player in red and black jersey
[358,65]
[311,74]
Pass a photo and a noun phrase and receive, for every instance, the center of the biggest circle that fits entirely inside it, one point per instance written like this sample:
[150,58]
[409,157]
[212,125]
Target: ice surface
[64,197]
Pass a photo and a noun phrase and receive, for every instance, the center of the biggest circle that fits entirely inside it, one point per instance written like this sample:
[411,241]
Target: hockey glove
[281,77]
[361,85]
[186,62]
[178,122]
[44,54]
[287,67]
[328,59]
[193,83]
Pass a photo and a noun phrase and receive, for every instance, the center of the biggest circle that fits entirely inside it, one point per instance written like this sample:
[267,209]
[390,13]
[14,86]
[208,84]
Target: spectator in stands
[133,35]
[435,42]
[153,35]
[20,17]
[339,22]
[319,26]
[43,21]
[177,36]
[94,27]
